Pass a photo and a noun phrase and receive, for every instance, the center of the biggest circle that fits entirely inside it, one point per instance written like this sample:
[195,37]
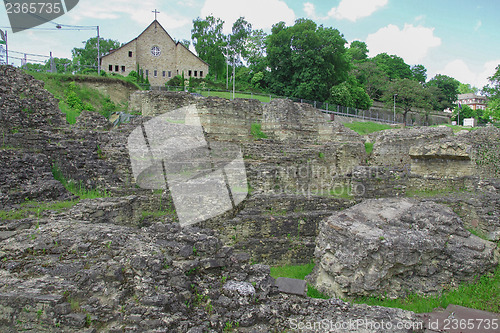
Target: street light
[394,119]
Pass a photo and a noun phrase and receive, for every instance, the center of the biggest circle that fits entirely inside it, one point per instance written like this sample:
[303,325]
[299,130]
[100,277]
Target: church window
[155,51]
[155,73]
[201,73]
[189,73]
[164,73]
[169,74]
[195,73]
[130,54]
[110,68]
[147,72]
[123,68]
[116,68]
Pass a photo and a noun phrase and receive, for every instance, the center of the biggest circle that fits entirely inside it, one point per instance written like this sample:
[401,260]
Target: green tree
[464,88]
[351,94]
[255,55]
[358,51]
[306,60]
[371,77]
[492,112]
[410,95]
[492,91]
[437,99]
[393,66]
[463,111]
[238,40]
[419,73]
[87,56]
[210,43]
[449,87]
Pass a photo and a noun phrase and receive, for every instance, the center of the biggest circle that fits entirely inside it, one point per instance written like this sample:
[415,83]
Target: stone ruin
[395,247]
[109,265]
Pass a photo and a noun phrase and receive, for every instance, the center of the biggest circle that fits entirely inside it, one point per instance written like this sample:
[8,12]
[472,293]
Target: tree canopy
[492,91]
[306,60]
[87,56]
[410,94]
[393,66]
[210,43]
[448,86]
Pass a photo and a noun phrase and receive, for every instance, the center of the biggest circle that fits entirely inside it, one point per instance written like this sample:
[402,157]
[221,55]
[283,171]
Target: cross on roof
[156,12]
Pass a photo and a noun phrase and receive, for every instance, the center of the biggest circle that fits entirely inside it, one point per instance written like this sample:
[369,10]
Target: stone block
[292,286]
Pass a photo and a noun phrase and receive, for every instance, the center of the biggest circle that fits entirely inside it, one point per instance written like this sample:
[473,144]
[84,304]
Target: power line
[31,54]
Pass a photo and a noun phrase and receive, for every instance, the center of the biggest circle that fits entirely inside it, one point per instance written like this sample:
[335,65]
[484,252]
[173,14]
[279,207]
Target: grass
[77,188]
[341,192]
[457,128]
[366,127]
[257,132]
[34,208]
[229,95]
[427,193]
[483,293]
[158,213]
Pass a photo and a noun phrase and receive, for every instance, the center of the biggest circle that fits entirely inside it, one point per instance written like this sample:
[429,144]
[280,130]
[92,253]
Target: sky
[452,37]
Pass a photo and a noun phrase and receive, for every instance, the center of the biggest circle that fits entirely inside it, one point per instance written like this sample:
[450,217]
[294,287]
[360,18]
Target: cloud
[353,10]
[478,25]
[461,71]
[138,11]
[262,14]
[310,10]
[412,43]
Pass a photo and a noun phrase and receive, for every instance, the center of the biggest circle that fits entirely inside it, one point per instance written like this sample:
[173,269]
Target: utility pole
[99,53]
[234,78]
[227,68]
[394,119]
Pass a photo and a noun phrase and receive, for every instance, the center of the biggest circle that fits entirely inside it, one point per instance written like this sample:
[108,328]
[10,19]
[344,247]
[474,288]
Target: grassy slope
[483,293]
[83,98]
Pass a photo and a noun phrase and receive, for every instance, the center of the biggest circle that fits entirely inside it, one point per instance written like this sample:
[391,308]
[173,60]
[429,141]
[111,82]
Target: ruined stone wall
[281,120]
[392,147]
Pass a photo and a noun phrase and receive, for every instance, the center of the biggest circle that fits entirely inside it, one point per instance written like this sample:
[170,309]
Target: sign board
[470,122]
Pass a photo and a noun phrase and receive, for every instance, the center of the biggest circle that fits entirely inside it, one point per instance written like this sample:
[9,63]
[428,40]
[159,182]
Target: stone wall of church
[165,62]
[190,64]
[120,61]
[172,60]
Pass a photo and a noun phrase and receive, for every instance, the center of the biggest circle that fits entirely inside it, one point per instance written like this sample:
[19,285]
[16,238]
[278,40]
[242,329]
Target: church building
[157,55]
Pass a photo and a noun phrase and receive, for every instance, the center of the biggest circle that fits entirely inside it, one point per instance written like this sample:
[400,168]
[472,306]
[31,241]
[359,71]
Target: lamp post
[394,119]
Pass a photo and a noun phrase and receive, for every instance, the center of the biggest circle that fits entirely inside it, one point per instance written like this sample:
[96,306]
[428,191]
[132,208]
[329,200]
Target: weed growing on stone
[230,326]
[478,233]
[257,132]
[77,188]
[369,147]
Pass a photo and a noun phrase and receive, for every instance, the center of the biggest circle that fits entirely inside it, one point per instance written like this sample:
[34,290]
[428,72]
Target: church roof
[158,23]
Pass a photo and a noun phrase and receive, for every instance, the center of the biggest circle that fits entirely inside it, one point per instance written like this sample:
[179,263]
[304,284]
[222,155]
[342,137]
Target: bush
[176,81]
